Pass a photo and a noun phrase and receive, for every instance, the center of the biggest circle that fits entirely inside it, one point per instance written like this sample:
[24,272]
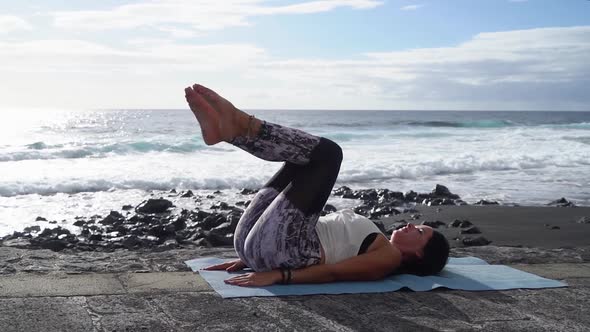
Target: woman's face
[410,240]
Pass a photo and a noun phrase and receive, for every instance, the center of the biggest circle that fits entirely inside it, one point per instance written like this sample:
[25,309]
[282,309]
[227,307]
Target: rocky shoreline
[152,225]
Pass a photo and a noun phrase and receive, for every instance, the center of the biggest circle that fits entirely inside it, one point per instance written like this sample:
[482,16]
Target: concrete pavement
[182,301]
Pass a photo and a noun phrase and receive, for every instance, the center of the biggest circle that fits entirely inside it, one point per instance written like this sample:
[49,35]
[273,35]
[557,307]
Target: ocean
[63,164]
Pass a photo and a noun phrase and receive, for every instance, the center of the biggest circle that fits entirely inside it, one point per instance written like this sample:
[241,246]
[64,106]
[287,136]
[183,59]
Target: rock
[471,230]
[51,244]
[240,203]
[368,195]
[219,239]
[202,242]
[434,224]
[478,241]
[584,220]
[173,191]
[410,196]
[187,194]
[131,242]
[385,211]
[562,202]
[415,216]
[442,191]
[154,206]
[484,202]
[95,237]
[223,228]
[461,223]
[212,221]
[127,207]
[217,192]
[386,194]
[53,222]
[329,208]
[234,217]
[167,245]
[79,223]
[40,219]
[112,218]
[210,196]
[247,191]
[221,206]
[32,229]
[179,224]
[343,191]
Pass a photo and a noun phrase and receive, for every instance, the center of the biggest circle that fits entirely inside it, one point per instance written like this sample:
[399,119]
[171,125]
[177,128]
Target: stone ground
[42,290]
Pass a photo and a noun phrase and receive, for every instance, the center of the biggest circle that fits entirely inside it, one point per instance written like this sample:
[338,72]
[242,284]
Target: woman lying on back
[281,236]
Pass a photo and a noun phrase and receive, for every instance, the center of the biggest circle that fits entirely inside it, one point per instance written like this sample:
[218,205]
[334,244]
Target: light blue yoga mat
[466,273]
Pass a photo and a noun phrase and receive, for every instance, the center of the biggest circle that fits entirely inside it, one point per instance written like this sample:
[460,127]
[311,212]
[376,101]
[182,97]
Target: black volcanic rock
[562,202]
[434,224]
[328,209]
[478,241]
[442,191]
[112,218]
[154,206]
[471,230]
[221,206]
[484,202]
[32,229]
[247,191]
[383,211]
[187,194]
[460,223]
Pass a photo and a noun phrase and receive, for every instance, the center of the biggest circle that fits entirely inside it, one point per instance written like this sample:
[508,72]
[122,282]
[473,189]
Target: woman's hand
[235,265]
[256,279]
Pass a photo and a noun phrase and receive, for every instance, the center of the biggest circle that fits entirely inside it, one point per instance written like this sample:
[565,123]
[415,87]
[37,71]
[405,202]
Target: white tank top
[341,234]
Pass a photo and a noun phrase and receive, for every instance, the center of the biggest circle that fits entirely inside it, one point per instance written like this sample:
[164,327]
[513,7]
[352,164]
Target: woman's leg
[260,202]
[278,229]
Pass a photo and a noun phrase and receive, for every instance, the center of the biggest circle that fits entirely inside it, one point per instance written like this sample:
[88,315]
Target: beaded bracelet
[289,276]
[250,119]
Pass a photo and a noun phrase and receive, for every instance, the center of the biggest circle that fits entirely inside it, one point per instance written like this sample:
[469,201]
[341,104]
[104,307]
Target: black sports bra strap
[367,242]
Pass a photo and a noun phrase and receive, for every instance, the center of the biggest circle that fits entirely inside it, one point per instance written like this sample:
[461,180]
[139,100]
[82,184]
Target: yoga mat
[466,273]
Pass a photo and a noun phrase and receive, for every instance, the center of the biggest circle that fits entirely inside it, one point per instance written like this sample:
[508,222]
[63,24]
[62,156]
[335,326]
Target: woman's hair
[436,254]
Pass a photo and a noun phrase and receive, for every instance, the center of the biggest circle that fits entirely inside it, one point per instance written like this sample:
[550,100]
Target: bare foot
[217,116]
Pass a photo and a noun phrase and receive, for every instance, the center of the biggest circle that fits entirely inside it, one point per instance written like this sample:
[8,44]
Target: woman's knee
[328,151]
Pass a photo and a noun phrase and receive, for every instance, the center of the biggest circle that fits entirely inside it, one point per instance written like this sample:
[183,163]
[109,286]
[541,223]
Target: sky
[311,54]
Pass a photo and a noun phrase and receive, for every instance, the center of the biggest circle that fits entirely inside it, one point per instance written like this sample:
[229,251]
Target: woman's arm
[372,265]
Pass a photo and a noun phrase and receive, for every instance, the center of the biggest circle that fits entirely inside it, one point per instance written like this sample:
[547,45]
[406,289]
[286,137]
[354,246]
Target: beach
[152,289]
[91,285]
[120,199]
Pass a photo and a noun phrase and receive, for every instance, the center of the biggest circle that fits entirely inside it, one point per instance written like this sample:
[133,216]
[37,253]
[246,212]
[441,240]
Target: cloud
[13,23]
[202,15]
[525,69]
[531,69]
[145,56]
[411,7]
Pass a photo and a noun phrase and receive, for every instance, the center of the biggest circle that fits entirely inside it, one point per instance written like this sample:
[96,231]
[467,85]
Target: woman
[280,235]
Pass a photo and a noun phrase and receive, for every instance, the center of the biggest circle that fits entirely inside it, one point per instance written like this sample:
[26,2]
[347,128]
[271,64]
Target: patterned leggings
[277,230]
